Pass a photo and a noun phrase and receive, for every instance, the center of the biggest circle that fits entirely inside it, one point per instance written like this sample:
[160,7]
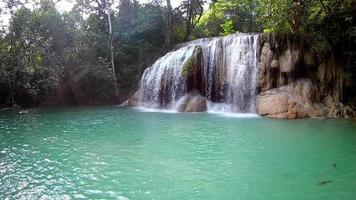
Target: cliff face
[297,83]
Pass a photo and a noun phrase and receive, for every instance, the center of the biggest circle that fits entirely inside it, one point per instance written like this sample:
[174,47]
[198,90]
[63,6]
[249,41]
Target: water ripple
[119,153]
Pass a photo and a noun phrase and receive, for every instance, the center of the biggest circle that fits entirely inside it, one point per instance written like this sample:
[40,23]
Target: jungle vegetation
[96,53]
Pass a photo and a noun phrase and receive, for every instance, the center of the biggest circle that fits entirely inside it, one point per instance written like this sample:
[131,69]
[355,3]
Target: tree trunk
[189,20]
[111,49]
[168,25]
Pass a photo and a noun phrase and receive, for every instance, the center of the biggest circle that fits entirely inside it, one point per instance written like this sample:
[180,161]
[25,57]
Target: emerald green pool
[122,153]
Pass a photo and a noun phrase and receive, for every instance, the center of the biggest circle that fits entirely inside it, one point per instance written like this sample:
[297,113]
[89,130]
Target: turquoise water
[121,153]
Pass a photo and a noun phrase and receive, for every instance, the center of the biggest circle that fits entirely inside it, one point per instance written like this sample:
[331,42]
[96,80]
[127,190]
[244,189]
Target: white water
[230,75]
[232,60]
[156,80]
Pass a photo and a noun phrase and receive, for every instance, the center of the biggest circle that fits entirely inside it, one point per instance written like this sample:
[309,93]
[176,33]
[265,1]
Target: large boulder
[192,102]
[295,100]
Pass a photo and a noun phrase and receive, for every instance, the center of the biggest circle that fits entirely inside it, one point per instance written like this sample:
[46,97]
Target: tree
[33,50]
[325,23]
[108,12]
[192,10]
[229,16]
[168,24]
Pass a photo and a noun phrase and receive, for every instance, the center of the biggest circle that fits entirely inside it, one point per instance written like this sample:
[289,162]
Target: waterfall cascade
[226,74]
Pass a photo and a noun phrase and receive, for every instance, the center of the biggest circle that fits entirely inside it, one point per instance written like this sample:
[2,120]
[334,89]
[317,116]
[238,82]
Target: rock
[340,110]
[280,57]
[295,100]
[275,64]
[273,104]
[134,100]
[288,60]
[266,74]
[309,59]
[192,102]
[279,104]
[193,70]
[316,110]
[337,109]
[329,101]
[283,59]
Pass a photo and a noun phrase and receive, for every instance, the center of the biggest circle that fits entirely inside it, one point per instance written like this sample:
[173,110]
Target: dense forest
[96,53]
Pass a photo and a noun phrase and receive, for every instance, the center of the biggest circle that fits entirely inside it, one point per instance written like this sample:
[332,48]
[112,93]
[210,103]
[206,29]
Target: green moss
[189,65]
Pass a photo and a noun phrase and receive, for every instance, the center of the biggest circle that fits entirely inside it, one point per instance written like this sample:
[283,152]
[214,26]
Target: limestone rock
[280,56]
[193,70]
[273,104]
[309,59]
[265,60]
[295,100]
[279,104]
[288,60]
[275,64]
[192,102]
[340,110]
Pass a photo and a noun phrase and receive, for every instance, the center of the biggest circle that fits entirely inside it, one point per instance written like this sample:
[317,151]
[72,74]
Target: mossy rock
[193,63]
[193,70]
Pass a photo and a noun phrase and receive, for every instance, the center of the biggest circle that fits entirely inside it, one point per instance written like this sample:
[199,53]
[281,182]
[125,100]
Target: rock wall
[296,83]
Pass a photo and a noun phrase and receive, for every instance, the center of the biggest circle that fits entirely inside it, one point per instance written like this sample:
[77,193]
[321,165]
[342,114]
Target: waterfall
[163,83]
[229,74]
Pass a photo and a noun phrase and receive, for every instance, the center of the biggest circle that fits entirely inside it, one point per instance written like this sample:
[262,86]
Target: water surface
[121,153]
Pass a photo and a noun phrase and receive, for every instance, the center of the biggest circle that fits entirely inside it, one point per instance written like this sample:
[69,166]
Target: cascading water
[233,62]
[229,76]
[163,83]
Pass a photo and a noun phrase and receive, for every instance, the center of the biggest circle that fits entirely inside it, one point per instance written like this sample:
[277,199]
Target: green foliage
[32,50]
[190,65]
[228,16]
[42,49]
[273,15]
[325,23]
[211,21]
[227,27]
[192,11]
[328,24]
